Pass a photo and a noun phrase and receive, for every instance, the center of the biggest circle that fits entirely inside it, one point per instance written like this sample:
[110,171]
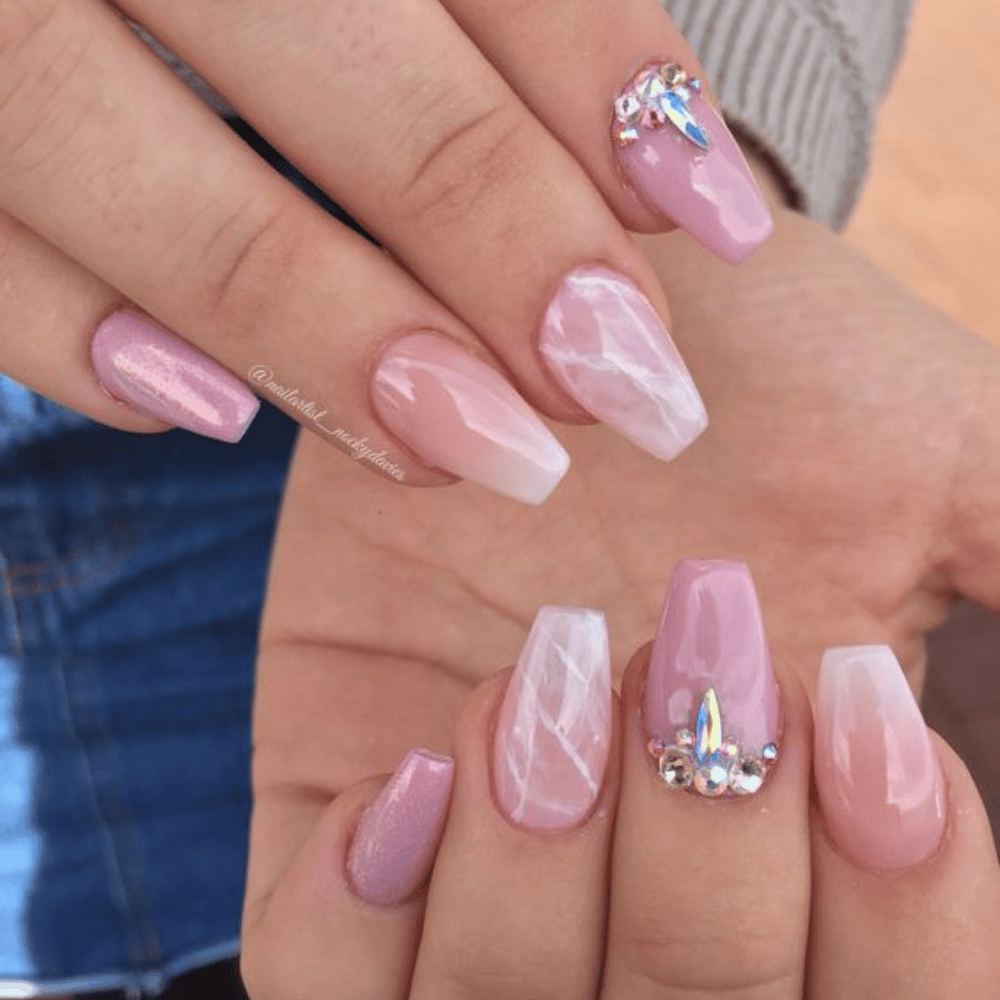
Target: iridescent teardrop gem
[675,109]
[708,727]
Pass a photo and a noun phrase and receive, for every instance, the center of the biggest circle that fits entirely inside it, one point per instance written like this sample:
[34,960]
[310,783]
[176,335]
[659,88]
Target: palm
[847,462]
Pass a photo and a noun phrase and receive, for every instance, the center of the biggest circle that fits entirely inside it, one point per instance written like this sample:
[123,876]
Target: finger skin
[929,933]
[709,897]
[513,912]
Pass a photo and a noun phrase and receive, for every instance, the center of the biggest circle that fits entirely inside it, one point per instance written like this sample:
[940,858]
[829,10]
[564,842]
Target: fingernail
[711,699]
[398,834]
[606,345]
[553,735]
[460,415]
[677,153]
[878,777]
[145,365]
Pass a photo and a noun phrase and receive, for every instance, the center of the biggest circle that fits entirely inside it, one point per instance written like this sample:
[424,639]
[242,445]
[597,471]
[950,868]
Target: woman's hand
[575,865]
[473,139]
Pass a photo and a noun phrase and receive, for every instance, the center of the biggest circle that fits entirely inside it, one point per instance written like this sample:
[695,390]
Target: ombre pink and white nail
[677,153]
[880,784]
[553,735]
[461,415]
[143,364]
[605,343]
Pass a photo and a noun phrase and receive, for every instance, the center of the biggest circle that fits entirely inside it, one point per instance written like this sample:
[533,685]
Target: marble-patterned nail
[143,364]
[678,155]
[550,749]
[605,343]
[398,834]
[878,776]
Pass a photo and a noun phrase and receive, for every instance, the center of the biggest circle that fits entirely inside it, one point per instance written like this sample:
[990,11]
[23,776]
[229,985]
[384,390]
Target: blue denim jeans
[131,576]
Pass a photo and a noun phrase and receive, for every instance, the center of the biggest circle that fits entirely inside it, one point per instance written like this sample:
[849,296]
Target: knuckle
[463,164]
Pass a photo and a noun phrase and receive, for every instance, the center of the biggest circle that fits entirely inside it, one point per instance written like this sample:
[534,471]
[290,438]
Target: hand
[568,869]
[852,462]
[500,196]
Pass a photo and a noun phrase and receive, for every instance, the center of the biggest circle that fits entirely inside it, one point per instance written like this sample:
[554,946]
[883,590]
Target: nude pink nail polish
[553,734]
[677,153]
[711,690]
[397,836]
[607,346]
[461,415]
[878,776]
[145,365]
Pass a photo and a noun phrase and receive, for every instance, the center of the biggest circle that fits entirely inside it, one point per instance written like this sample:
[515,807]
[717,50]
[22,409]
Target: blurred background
[930,216]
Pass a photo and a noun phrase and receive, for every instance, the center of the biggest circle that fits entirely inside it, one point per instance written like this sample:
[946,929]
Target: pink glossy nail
[604,342]
[677,153]
[710,689]
[145,365]
[878,776]
[553,735]
[397,837]
[460,414]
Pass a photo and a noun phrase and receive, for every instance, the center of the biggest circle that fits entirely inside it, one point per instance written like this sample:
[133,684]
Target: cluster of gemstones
[703,762]
[655,97]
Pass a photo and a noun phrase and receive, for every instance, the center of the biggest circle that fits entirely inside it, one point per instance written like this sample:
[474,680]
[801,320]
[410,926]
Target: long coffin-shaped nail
[397,836]
[677,153]
[550,750]
[460,414]
[143,364]
[712,709]
[607,346]
[878,776]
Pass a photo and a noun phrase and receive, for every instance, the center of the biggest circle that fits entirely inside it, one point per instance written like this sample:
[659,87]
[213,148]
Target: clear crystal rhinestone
[712,779]
[695,84]
[625,135]
[656,746]
[747,776]
[731,747]
[676,767]
[628,108]
[770,752]
[649,85]
[684,738]
[673,75]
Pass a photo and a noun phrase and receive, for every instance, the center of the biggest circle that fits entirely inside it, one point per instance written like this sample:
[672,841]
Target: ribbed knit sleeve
[804,79]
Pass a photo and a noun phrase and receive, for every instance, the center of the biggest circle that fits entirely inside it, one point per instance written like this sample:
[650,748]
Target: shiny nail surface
[398,834]
[878,776]
[553,733]
[711,690]
[460,415]
[677,153]
[143,364]
[607,346]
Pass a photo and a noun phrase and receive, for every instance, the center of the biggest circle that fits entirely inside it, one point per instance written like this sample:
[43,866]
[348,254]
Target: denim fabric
[131,576]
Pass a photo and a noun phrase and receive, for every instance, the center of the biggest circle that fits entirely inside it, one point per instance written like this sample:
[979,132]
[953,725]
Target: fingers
[517,906]
[345,915]
[710,867]
[431,150]
[906,881]
[573,61]
[105,155]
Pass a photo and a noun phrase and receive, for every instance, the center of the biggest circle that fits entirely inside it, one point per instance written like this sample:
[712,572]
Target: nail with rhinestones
[607,346]
[677,153]
[553,735]
[878,776]
[143,364]
[711,699]
[397,836]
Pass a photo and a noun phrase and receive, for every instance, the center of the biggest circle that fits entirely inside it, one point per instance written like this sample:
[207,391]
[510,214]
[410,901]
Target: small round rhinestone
[649,85]
[628,108]
[673,75]
[770,752]
[625,135]
[656,746]
[731,748]
[712,780]
[684,738]
[747,776]
[676,767]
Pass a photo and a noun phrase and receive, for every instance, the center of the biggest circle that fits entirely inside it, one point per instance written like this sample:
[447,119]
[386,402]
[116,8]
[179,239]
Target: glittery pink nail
[145,365]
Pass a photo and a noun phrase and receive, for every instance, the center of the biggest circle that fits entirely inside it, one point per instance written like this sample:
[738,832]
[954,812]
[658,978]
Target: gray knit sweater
[803,78]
